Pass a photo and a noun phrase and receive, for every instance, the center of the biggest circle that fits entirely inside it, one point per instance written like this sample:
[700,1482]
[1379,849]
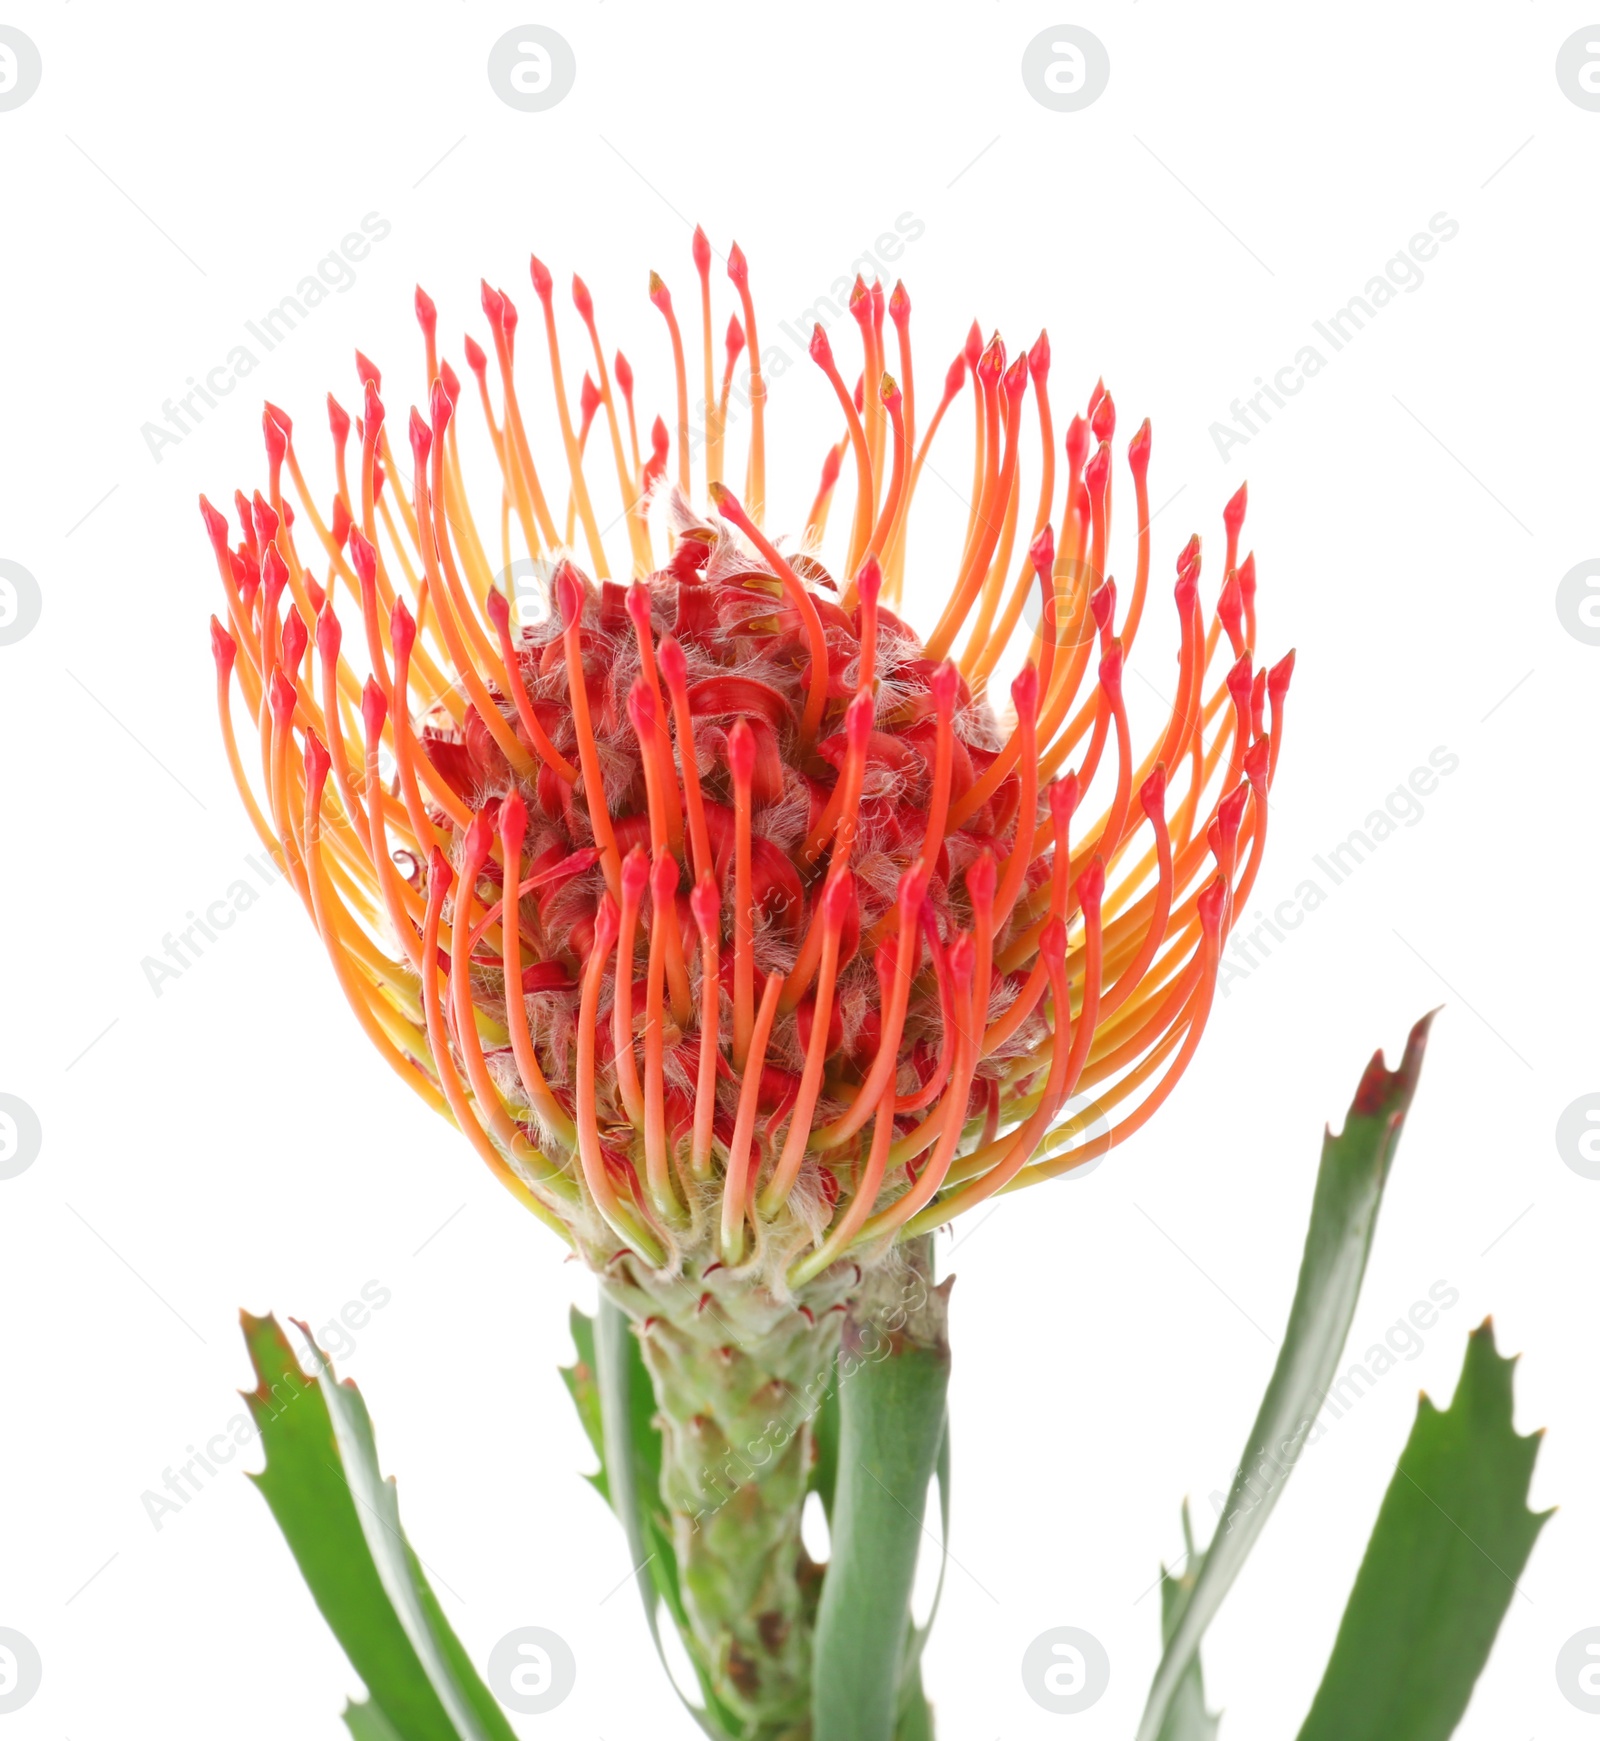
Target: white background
[233,1142]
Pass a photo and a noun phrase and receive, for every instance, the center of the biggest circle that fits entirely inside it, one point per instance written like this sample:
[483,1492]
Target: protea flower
[745,933]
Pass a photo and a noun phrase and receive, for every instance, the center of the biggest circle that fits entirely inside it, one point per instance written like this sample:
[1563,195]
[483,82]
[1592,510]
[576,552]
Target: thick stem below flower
[738,1378]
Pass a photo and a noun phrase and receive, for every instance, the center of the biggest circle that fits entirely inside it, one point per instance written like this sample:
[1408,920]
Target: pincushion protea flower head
[732,922]
[743,932]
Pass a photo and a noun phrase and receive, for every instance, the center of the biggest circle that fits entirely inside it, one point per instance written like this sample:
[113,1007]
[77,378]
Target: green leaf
[368,1723]
[342,1522]
[583,1386]
[892,1423]
[1452,1537]
[825,1436]
[1344,1210]
[1187,1718]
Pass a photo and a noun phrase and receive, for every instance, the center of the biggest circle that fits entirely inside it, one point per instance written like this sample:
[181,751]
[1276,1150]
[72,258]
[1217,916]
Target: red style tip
[944,685]
[635,875]
[869,581]
[427,314]
[1063,801]
[402,630]
[1111,671]
[700,248]
[1016,378]
[367,370]
[1077,443]
[475,845]
[659,294]
[899,305]
[451,380]
[1239,676]
[982,878]
[1025,692]
[607,922]
[265,517]
[1102,601]
[663,880]
[838,896]
[1042,551]
[624,370]
[223,648]
[271,413]
[494,307]
[1104,420]
[216,527]
[642,711]
[830,467]
[1230,814]
[421,440]
[1278,678]
[329,634]
[1153,794]
[742,753]
[1091,886]
[1039,357]
[735,339]
[1210,902]
[509,316]
[540,274]
[588,397]
[1230,608]
[738,267]
[581,299]
[498,607]
[341,523]
[1257,762]
[1139,450]
[974,345]
[1098,470]
[962,958]
[513,821]
[674,667]
[477,361]
[889,392]
[338,420]
[440,875]
[363,558]
[274,572]
[318,762]
[955,377]
[440,406]
[1053,943]
[374,710]
[1233,514]
[372,411]
[705,906]
[1247,577]
[569,595]
[282,696]
[913,887]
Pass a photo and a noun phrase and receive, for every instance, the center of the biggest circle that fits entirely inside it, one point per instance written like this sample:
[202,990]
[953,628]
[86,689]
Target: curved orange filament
[736,1183]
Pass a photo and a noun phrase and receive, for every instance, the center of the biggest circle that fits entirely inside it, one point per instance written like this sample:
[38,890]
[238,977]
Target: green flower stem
[738,1377]
[894,1370]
